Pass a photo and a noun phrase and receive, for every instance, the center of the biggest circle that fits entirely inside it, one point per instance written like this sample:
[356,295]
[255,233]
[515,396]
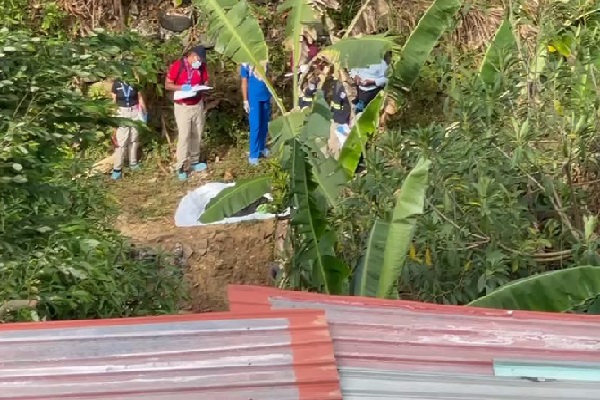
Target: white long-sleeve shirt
[375,72]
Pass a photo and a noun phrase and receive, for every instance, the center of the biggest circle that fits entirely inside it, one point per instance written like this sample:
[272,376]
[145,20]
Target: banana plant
[389,241]
[365,126]
[237,35]
[557,291]
[300,14]
[358,52]
[432,25]
[503,43]
[316,181]
[314,262]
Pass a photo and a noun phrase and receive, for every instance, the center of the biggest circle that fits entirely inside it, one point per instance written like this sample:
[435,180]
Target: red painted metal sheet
[413,336]
[263,355]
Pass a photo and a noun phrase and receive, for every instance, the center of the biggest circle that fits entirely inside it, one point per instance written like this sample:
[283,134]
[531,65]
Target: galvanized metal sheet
[381,384]
[270,355]
[412,336]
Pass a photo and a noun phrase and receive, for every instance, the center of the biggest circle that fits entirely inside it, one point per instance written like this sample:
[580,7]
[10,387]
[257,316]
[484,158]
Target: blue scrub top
[257,89]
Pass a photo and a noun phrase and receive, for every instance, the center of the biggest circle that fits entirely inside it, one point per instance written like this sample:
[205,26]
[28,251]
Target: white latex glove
[246,106]
[303,68]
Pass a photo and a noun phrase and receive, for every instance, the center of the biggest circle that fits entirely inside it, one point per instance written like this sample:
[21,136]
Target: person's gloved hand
[303,68]
[246,106]
[186,88]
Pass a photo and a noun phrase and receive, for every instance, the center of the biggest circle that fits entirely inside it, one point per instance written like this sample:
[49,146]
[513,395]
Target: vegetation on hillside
[481,191]
[59,257]
[512,146]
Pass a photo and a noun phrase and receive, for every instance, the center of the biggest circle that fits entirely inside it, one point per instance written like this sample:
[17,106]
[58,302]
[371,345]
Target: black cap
[200,51]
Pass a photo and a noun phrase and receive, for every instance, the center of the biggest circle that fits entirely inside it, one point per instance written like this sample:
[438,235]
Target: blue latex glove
[186,88]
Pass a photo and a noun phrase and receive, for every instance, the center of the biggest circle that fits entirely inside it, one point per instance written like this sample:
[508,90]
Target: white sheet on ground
[194,203]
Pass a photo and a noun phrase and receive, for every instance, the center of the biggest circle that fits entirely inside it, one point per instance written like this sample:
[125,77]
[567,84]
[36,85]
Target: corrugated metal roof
[419,338]
[360,384]
[225,356]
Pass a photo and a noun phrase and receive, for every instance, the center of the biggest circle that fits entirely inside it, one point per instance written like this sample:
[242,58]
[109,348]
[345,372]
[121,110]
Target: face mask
[196,64]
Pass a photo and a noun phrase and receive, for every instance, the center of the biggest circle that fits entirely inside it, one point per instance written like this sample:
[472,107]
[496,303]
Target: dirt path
[216,255]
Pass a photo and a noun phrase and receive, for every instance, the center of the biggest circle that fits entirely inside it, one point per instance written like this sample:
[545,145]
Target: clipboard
[178,95]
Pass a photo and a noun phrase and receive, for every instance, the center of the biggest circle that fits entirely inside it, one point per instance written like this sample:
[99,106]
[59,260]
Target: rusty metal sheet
[267,355]
[413,336]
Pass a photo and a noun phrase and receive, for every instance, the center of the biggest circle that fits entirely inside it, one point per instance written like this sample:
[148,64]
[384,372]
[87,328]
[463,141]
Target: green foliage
[236,32]
[360,133]
[503,45]
[358,52]
[316,181]
[235,198]
[46,18]
[557,291]
[300,14]
[390,239]
[510,162]
[285,127]
[436,20]
[55,247]
[315,264]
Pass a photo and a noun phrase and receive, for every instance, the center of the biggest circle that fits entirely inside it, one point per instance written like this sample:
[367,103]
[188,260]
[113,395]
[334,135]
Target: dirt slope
[215,255]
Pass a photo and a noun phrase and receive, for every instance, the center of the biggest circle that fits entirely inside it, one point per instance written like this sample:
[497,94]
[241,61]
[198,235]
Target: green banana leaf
[327,172]
[330,178]
[237,35]
[389,241]
[235,198]
[556,291]
[504,42]
[436,20]
[310,223]
[300,13]
[286,127]
[365,126]
[315,132]
[236,31]
[359,52]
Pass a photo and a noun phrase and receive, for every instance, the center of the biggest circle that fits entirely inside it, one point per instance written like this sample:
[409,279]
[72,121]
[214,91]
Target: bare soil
[215,255]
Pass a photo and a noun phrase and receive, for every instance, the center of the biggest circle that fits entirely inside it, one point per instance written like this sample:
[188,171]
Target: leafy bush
[509,163]
[55,244]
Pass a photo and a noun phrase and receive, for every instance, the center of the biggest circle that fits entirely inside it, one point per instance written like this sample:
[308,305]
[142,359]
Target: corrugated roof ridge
[243,298]
[311,342]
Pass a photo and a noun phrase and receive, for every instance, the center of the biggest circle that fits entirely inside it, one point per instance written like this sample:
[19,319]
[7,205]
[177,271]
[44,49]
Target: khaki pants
[190,125]
[126,137]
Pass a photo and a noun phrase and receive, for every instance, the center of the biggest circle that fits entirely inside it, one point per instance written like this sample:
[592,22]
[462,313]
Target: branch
[356,18]
[539,257]
[553,199]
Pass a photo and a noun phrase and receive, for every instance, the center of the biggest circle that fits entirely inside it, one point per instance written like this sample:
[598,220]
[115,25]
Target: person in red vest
[183,75]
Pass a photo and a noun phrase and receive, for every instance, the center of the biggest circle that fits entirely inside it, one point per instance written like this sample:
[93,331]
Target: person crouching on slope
[257,104]
[131,105]
[183,75]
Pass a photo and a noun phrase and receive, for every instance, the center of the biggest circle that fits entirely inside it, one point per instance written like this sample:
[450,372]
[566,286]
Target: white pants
[126,137]
[190,125]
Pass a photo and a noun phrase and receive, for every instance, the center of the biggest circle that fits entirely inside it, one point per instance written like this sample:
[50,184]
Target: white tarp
[194,203]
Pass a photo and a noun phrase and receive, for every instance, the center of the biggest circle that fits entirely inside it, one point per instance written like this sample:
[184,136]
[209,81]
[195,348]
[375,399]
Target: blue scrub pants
[258,118]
